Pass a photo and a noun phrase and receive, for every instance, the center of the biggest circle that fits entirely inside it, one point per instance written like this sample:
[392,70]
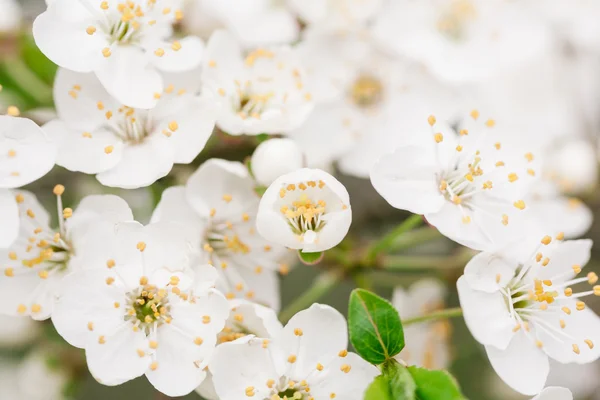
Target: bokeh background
[35,364]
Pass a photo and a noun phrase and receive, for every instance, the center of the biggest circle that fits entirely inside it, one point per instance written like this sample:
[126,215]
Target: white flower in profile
[245,318]
[26,155]
[463,40]
[253,22]
[138,308]
[125,44]
[275,157]
[301,362]
[219,205]
[470,185]
[426,343]
[554,393]
[11,15]
[34,266]
[522,304]
[307,209]
[332,15]
[263,92]
[126,147]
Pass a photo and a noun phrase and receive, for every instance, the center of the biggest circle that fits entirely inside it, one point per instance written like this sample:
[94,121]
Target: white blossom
[470,184]
[554,393]
[262,92]
[308,356]
[125,44]
[138,308]
[126,147]
[522,304]
[307,209]
[219,205]
[275,157]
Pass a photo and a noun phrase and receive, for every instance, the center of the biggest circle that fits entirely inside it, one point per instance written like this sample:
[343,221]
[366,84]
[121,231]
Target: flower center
[250,104]
[148,306]
[303,215]
[453,21]
[133,126]
[367,91]
[222,240]
[290,394]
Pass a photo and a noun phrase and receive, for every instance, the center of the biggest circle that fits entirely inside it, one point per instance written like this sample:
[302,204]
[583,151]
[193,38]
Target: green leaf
[262,137]
[375,328]
[435,385]
[311,258]
[395,383]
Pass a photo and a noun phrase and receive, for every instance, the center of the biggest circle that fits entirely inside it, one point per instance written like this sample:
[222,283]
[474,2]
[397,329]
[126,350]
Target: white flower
[275,157]
[262,93]
[335,14]
[11,15]
[554,393]
[27,155]
[253,22]
[427,343]
[367,102]
[219,204]
[124,43]
[522,304]
[307,209]
[125,147]
[463,40]
[17,331]
[139,309]
[470,185]
[17,380]
[245,319]
[34,266]
[573,165]
[307,359]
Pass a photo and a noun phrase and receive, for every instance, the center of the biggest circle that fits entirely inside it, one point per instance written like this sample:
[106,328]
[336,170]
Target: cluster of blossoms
[382,91]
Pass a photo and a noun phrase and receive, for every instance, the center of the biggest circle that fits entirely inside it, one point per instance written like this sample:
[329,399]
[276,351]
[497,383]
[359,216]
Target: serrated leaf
[395,383]
[311,258]
[375,328]
[435,385]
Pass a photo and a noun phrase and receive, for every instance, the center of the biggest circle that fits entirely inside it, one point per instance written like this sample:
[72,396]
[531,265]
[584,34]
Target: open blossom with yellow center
[300,363]
[526,305]
[124,42]
[470,184]
[263,92]
[137,308]
[34,267]
[307,209]
[26,154]
[219,205]
[245,318]
[96,134]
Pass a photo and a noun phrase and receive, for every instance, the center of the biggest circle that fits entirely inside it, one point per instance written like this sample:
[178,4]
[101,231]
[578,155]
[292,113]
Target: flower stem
[408,263]
[322,284]
[414,238]
[447,313]
[388,240]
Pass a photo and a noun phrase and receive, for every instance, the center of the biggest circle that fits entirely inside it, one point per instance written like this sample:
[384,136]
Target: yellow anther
[91,30]
[589,343]
[345,368]
[520,204]
[109,149]
[474,114]
[10,272]
[463,132]
[67,213]
[141,246]
[43,274]
[58,190]
[206,319]
[459,148]
[568,292]
[21,309]
[250,391]
[173,126]
[431,119]
[101,340]
[13,111]
[106,52]
[154,366]
[592,278]
[320,367]
[580,305]
[490,123]
[576,268]
[566,310]
[562,323]
[500,164]
[576,349]
[292,359]
[512,177]
[438,137]
[529,157]
[298,332]
[159,52]
[343,353]
[227,198]
[110,280]
[90,326]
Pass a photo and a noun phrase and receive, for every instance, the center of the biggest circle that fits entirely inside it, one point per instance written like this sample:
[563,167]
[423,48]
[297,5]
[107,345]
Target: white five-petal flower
[470,184]
[219,205]
[263,92]
[126,147]
[307,209]
[125,43]
[307,359]
[138,308]
[34,266]
[523,305]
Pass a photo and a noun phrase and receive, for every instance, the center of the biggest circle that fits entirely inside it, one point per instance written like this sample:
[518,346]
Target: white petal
[223,58]
[258,320]
[489,272]
[303,337]
[239,365]
[116,360]
[486,315]
[140,165]
[407,180]
[9,215]
[173,206]
[562,256]
[521,365]
[28,154]
[570,216]
[207,388]
[186,58]
[554,393]
[127,76]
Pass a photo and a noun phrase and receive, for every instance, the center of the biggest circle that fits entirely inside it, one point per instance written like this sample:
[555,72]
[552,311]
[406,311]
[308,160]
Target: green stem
[402,262]
[322,284]
[27,81]
[414,238]
[387,241]
[447,313]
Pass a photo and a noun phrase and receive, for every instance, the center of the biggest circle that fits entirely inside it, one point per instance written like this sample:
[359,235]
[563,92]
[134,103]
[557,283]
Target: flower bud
[275,157]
